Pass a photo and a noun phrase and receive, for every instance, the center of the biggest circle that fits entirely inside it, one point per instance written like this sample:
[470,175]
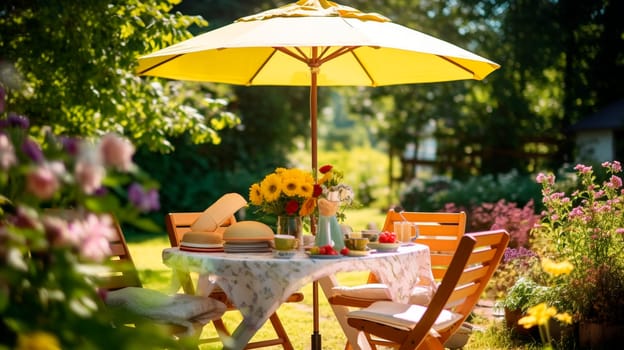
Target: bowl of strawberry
[386,242]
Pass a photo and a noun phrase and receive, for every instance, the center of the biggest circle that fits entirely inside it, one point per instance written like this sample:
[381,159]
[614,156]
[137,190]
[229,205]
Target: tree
[76,59]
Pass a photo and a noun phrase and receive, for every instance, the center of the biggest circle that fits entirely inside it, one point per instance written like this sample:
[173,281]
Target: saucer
[284,254]
[358,253]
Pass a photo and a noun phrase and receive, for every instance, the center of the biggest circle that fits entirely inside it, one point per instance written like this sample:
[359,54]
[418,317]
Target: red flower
[325,169]
[317,191]
[291,207]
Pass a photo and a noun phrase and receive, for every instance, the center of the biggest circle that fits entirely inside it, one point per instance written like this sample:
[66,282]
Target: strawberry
[344,251]
[387,237]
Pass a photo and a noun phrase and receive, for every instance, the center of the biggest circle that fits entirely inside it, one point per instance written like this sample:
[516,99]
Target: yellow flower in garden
[271,187]
[556,269]
[255,194]
[37,341]
[537,315]
[564,317]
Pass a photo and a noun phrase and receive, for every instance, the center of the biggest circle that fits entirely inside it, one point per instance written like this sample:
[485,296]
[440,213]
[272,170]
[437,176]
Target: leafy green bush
[435,194]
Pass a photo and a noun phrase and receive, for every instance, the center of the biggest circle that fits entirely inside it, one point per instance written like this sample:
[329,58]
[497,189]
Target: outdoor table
[258,283]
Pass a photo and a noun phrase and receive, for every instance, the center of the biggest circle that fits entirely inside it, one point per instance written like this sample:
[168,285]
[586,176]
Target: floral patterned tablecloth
[258,283]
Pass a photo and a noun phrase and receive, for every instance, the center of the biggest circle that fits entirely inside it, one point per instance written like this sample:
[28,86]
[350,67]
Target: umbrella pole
[313,118]
[316,336]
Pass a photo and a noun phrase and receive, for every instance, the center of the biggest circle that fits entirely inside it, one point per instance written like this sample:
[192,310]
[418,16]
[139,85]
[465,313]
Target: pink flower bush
[57,198]
[42,182]
[117,152]
[584,226]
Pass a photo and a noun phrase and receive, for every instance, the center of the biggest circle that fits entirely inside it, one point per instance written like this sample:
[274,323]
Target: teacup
[356,243]
[372,235]
[285,242]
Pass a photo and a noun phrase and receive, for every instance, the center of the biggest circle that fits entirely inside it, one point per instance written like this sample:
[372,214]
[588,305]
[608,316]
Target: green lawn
[296,317]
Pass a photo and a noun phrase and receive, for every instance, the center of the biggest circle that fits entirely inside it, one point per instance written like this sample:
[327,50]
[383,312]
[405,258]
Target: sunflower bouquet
[285,192]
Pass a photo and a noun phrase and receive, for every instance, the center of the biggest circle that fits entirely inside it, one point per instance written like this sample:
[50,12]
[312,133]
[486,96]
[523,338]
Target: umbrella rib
[260,68]
[290,53]
[457,64]
[159,64]
[339,52]
[373,83]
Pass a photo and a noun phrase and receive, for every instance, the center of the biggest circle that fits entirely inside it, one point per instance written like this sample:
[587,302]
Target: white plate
[384,247]
[358,253]
[201,245]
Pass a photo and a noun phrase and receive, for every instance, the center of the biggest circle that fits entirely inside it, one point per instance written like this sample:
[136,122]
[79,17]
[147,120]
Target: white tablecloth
[258,283]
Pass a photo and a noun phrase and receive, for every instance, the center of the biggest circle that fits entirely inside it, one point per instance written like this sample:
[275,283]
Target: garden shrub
[434,194]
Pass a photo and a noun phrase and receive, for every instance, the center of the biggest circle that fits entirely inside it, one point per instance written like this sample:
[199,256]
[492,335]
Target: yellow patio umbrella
[315,43]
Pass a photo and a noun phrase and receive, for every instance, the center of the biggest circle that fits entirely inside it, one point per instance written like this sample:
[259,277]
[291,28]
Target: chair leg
[430,343]
[281,332]
[220,327]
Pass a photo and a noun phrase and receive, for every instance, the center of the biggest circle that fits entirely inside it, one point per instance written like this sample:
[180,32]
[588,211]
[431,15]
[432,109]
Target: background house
[600,137]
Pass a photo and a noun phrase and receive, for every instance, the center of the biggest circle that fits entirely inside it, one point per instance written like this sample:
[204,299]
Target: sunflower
[255,194]
[271,187]
[306,190]
[290,185]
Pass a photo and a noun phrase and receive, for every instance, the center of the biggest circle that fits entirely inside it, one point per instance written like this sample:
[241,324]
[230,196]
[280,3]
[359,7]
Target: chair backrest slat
[441,232]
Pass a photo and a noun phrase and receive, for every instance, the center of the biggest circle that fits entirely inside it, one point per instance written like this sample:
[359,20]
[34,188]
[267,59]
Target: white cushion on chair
[403,316]
[421,295]
[374,291]
[180,309]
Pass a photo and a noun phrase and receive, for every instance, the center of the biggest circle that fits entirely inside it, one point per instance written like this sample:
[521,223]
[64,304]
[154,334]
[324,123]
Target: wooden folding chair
[440,231]
[409,326]
[177,225]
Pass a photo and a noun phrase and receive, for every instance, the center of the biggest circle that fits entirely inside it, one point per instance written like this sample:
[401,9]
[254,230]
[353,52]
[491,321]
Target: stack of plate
[248,237]
[201,247]
[247,247]
[205,242]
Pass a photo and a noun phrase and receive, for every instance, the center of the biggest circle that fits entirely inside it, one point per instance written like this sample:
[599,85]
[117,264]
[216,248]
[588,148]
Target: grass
[297,317]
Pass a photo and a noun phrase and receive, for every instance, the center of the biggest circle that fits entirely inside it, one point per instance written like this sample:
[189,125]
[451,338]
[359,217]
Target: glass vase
[291,225]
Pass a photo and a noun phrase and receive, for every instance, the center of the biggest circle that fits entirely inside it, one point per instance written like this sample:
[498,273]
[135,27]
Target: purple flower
[2,99]
[517,253]
[70,145]
[32,150]
[145,201]
[15,121]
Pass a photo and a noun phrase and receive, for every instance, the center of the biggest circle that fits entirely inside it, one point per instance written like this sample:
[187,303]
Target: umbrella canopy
[315,43]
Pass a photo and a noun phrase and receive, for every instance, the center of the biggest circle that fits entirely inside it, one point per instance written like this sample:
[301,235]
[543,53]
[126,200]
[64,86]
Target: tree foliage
[560,61]
[76,60]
